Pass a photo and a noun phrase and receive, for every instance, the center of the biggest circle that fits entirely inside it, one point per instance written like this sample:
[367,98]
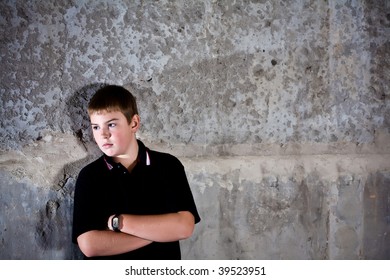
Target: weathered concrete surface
[290,207]
[278,109]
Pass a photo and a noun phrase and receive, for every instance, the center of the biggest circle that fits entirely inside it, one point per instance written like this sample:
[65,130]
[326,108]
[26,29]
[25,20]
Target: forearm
[159,228]
[105,243]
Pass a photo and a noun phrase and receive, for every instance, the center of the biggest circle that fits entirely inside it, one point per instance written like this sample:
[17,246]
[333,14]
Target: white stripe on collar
[147,159]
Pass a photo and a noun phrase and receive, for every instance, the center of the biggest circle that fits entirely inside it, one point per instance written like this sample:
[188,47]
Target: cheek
[119,137]
[95,135]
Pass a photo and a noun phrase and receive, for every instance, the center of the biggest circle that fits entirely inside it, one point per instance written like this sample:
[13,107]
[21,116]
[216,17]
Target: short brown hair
[113,98]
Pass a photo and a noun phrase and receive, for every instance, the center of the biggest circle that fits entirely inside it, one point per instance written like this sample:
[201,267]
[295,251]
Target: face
[113,134]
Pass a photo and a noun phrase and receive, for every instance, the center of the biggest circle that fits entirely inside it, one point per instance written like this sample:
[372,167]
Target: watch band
[115,223]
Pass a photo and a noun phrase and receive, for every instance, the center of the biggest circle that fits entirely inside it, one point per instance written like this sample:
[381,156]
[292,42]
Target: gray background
[279,111]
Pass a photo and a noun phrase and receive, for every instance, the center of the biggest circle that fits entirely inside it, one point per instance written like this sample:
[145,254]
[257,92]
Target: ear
[135,123]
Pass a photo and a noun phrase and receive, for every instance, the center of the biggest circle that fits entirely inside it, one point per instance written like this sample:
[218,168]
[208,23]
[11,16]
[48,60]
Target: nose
[105,133]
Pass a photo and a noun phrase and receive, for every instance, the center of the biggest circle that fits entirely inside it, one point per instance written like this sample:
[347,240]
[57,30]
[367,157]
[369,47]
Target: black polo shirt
[156,185]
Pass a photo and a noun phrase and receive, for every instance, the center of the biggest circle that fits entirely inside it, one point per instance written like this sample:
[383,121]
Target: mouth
[107,145]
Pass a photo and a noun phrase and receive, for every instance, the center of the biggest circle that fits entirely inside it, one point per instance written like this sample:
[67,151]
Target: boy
[132,202]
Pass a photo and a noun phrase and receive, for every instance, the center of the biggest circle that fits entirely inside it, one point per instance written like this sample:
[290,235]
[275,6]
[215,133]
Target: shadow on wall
[54,227]
[77,112]
[54,224]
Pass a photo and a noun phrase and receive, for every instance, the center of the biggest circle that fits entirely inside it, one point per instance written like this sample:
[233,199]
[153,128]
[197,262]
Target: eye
[95,127]
[112,125]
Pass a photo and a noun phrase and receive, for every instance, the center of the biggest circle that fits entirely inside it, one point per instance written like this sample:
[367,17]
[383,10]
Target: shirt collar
[143,157]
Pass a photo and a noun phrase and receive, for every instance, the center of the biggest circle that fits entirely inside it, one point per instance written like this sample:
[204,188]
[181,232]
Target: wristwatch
[115,223]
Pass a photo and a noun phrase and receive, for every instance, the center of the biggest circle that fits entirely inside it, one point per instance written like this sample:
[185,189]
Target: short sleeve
[183,194]
[87,212]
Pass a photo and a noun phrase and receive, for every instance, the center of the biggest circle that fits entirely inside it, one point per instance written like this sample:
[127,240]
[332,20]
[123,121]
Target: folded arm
[137,231]
[160,228]
[96,243]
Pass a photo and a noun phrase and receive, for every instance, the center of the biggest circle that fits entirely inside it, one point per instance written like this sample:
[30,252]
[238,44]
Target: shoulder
[91,175]
[94,167]
[164,159]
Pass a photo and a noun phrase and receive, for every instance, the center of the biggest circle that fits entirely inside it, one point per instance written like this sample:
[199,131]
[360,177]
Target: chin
[109,153]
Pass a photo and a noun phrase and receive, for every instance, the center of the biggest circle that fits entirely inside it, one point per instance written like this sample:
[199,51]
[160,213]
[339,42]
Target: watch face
[115,223]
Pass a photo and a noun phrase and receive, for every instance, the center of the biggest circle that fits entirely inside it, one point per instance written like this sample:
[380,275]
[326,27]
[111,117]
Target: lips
[107,145]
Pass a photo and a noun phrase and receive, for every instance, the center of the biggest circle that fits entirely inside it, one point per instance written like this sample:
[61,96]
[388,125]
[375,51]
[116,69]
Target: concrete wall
[279,110]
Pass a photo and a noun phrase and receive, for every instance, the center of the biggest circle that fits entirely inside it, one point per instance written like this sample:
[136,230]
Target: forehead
[106,116]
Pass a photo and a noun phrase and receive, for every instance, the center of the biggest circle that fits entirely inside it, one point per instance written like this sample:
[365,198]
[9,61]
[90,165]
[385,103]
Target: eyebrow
[114,119]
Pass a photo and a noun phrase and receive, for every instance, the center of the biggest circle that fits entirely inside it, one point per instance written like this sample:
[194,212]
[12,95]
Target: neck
[129,160]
